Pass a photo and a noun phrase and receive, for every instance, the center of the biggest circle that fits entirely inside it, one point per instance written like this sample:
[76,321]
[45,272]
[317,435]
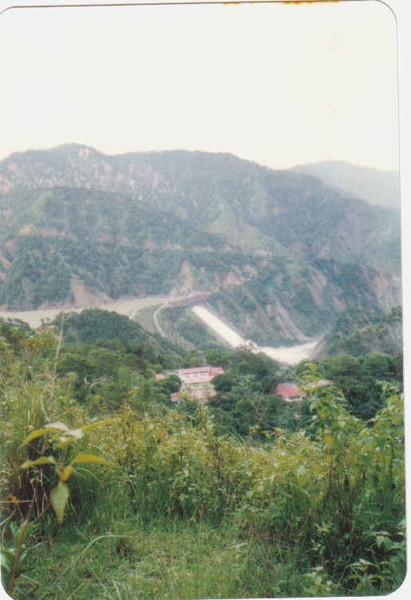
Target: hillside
[97,325]
[58,239]
[282,253]
[111,490]
[358,332]
[380,188]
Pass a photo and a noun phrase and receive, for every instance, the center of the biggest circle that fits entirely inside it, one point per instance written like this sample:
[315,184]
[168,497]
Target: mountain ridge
[272,245]
[377,186]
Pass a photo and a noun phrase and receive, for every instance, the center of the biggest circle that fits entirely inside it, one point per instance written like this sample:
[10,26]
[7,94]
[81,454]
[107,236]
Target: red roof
[288,390]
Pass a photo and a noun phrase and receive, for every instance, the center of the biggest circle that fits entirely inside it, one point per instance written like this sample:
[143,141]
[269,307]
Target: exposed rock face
[316,284]
[287,326]
[84,296]
[387,289]
[185,280]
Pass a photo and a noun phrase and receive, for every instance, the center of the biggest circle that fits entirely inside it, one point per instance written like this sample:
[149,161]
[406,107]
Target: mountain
[59,241]
[380,188]
[281,252]
[359,332]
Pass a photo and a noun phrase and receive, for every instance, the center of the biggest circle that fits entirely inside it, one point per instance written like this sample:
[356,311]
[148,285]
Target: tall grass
[181,512]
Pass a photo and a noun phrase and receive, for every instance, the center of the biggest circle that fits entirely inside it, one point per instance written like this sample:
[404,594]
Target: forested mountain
[282,252]
[380,188]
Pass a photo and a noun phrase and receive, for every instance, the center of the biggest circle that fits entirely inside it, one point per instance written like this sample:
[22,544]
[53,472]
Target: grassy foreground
[167,560]
[146,502]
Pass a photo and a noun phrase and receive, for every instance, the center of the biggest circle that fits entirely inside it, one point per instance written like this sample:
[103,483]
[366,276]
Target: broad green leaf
[59,496]
[88,458]
[67,471]
[384,542]
[43,460]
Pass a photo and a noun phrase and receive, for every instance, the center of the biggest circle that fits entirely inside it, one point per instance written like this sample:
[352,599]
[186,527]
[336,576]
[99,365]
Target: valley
[284,253]
[131,307]
[169,430]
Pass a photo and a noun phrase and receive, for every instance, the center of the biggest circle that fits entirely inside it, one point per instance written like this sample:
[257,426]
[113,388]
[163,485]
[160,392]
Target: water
[289,355]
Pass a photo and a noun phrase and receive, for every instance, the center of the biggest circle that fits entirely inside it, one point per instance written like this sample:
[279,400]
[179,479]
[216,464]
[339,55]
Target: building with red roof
[289,392]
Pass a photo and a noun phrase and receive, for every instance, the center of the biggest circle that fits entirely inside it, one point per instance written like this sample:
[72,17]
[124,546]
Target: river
[289,355]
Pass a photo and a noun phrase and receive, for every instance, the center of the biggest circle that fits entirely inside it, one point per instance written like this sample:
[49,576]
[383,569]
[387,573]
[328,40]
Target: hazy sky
[278,84]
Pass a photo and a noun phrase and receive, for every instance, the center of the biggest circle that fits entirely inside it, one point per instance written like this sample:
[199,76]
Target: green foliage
[360,379]
[108,355]
[171,384]
[185,329]
[95,324]
[61,437]
[244,409]
[14,549]
[245,403]
[97,238]
[302,506]
[13,331]
[243,362]
[358,332]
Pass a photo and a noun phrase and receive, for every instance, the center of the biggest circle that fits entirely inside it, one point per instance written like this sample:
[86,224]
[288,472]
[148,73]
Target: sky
[274,83]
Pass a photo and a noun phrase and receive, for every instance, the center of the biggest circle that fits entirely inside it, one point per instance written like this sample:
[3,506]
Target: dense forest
[111,490]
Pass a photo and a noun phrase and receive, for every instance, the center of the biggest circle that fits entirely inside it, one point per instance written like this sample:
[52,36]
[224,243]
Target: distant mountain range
[282,252]
[380,188]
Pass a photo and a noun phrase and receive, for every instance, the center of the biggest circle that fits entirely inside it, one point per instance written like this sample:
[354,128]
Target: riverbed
[289,355]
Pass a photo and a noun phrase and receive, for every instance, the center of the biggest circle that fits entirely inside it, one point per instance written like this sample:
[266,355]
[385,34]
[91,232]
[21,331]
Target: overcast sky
[278,84]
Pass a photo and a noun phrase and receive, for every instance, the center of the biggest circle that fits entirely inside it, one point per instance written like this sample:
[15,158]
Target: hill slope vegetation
[282,253]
